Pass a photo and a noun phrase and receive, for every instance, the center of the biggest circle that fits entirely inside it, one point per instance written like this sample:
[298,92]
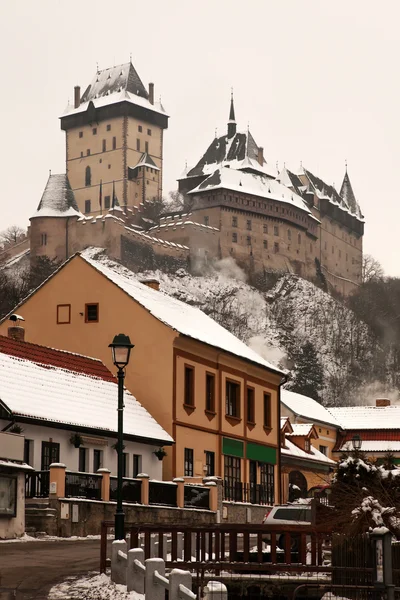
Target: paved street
[29,569]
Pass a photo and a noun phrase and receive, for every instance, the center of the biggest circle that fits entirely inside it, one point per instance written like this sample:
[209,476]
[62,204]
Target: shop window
[232,479]
[267,483]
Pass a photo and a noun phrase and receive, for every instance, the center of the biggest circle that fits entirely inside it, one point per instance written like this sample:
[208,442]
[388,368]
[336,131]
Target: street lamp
[356,442]
[121,349]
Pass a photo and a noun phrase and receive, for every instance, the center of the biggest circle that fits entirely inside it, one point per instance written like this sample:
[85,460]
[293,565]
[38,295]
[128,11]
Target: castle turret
[232,120]
[347,195]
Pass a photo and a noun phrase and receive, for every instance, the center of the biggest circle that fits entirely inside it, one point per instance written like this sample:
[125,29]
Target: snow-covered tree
[307,375]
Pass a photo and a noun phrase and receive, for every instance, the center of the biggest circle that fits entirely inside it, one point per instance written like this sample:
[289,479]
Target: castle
[240,205]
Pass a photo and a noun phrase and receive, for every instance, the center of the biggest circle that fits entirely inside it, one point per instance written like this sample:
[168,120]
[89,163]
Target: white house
[65,405]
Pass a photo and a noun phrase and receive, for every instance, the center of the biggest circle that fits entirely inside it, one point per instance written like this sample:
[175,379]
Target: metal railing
[196,497]
[83,485]
[37,484]
[131,490]
[248,492]
[163,494]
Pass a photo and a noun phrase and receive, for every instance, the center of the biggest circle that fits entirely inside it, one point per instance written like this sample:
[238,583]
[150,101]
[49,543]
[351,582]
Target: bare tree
[11,234]
[372,269]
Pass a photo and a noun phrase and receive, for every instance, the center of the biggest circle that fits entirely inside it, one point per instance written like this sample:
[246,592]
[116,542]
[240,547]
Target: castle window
[277,209]
[340,254]
[94,130]
[299,239]
[248,225]
[289,234]
[81,154]
[81,134]
[87,206]
[109,166]
[106,201]
[88,152]
[234,222]
[276,230]
[265,228]
[333,249]
[234,237]
[108,127]
[88,176]
[138,144]
[265,243]
[44,239]
[104,145]
[139,128]
[91,313]
[114,143]
[206,220]
[146,147]
[276,247]
[248,240]
[149,132]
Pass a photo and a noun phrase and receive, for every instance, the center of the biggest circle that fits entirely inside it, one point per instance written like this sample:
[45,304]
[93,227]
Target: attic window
[81,134]
[307,445]
[94,130]
[108,127]
[91,313]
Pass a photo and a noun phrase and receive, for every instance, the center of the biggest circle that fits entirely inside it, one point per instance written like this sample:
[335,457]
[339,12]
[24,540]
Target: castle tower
[114,142]
[232,120]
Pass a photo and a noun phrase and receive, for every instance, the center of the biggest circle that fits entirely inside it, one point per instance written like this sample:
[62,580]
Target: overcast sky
[318,82]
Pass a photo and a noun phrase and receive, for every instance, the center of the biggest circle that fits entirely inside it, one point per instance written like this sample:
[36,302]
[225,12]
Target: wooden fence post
[118,564]
[153,590]
[135,573]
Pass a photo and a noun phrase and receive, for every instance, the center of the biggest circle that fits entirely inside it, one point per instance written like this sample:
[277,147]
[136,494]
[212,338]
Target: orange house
[217,398]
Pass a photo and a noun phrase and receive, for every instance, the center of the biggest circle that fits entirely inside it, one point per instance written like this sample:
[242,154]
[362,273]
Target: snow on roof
[373,446]
[367,417]
[185,319]
[14,465]
[304,406]
[251,183]
[314,454]
[34,387]
[114,98]
[58,199]
[301,429]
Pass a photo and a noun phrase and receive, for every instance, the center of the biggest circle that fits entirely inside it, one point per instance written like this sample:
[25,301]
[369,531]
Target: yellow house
[217,398]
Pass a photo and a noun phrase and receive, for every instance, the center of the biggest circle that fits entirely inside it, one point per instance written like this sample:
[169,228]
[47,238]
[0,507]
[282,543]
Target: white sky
[318,81]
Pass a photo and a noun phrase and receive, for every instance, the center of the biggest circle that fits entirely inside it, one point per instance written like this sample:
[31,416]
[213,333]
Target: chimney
[17,333]
[382,402]
[77,96]
[154,284]
[151,93]
[260,156]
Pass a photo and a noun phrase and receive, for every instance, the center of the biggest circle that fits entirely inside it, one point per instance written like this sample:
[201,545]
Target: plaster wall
[15,527]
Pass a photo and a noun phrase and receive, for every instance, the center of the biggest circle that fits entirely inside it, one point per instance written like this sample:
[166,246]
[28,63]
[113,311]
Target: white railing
[148,576]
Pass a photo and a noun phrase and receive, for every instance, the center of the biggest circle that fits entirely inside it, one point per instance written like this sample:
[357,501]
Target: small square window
[265,228]
[149,132]
[108,127]
[87,206]
[81,134]
[94,130]
[88,152]
[234,237]
[139,128]
[63,314]
[91,313]
[248,225]
[234,222]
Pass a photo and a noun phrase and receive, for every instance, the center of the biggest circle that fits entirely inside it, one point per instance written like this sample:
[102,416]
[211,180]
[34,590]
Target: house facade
[65,406]
[217,398]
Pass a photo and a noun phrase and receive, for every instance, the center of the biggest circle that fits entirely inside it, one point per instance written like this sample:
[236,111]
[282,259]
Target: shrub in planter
[160,453]
[76,440]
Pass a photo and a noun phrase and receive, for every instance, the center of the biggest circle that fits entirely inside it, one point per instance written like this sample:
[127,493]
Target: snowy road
[28,570]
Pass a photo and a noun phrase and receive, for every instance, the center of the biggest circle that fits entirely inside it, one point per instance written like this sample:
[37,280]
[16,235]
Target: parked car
[287,514]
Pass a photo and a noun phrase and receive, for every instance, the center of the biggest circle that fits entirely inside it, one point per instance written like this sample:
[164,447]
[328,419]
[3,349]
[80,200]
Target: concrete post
[118,565]
[145,487]
[154,590]
[135,574]
[57,480]
[180,492]
[178,577]
[383,577]
[213,495]
[105,483]
[215,590]
[220,493]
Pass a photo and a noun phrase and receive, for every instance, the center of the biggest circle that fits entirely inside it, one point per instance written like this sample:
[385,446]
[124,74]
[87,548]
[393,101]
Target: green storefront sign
[254,451]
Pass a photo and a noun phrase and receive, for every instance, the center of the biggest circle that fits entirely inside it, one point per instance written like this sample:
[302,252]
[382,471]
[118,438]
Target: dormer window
[307,445]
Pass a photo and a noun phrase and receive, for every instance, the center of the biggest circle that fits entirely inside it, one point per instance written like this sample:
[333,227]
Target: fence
[196,496]
[248,492]
[163,494]
[131,490]
[37,484]
[148,577]
[83,485]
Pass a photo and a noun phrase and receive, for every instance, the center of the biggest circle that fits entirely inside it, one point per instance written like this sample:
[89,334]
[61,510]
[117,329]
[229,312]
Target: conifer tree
[308,377]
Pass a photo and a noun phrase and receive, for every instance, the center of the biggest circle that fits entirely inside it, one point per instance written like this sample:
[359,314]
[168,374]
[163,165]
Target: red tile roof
[57,358]
[368,435]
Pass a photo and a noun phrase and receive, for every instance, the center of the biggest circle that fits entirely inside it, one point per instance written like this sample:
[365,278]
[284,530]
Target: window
[108,127]
[28,452]
[104,145]
[188,471]
[138,144]
[250,405]
[114,143]
[265,244]
[210,392]
[267,410]
[276,247]
[97,460]
[91,313]
[81,134]
[276,230]
[333,249]
[44,239]
[324,450]
[137,465]
[248,224]
[234,237]
[234,222]
[232,399]
[146,146]
[206,220]
[149,132]
[340,254]
[82,466]
[210,463]
[232,479]
[267,483]
[50,454]
[125,464]
[63,314]
[189,386]
[8,495]
[139,128]
[299,239]
[107,201]
[307,445]
[94,130]
[87,206]
[326,246]
[248,240]
[265,228]
[289,234]
[88,176]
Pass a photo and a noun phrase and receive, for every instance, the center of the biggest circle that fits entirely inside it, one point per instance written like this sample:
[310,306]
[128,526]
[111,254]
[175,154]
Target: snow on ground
[52,538]
[92,587]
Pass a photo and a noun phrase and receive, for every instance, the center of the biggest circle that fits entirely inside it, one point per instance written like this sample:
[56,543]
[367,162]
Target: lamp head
[121,349]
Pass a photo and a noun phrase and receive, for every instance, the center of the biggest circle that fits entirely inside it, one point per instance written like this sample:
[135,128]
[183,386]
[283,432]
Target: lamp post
[356,442]
[121,349]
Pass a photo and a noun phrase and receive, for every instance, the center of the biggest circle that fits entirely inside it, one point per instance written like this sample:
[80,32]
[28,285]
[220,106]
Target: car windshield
[293,514]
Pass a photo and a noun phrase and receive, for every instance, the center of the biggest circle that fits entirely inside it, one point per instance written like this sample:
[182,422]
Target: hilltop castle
[241,206]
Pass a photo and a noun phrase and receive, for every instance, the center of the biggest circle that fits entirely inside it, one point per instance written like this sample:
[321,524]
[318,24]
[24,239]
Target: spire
[232,120]
[346,192]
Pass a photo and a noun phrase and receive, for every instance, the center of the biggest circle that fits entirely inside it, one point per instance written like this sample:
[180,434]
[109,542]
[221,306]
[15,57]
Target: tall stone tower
[114,142]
